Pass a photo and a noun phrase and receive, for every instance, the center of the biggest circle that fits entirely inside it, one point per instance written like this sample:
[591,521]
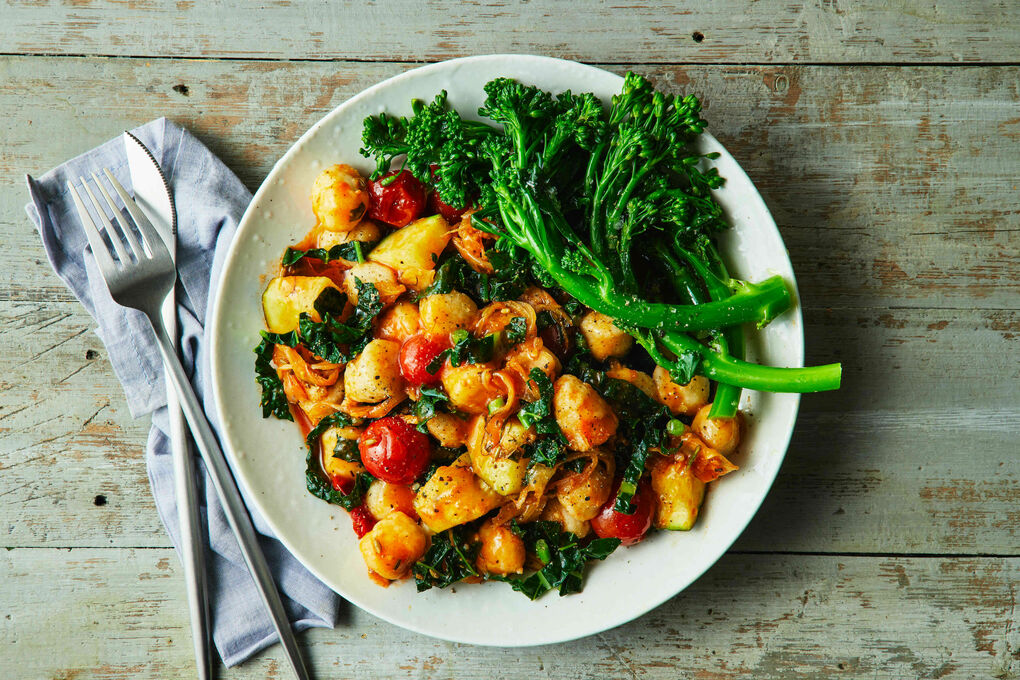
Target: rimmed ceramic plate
[268,455]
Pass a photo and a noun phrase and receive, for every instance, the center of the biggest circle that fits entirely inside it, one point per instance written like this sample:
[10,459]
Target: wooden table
[884,136]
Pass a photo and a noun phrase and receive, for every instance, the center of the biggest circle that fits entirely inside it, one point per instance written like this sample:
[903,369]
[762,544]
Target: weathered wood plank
[122,614]
[721,31]
[893,186]
[914,454]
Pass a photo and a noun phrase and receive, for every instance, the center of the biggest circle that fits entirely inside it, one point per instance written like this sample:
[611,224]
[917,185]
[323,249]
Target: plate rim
[216,338]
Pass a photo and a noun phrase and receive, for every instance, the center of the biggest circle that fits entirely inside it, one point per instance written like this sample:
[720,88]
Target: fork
[141,276]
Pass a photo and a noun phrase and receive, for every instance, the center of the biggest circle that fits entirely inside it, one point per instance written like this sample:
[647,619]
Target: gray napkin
[210,200]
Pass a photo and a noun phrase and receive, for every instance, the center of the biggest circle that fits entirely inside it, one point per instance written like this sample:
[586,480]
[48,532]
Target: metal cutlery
[141,276]
[154,198]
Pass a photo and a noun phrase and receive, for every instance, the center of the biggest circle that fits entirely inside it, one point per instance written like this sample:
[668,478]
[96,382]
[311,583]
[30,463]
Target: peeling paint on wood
[887,192]
[727,31]
[761,616]
[888,547]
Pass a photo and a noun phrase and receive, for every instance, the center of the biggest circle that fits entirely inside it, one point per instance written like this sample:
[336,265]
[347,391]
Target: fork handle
[192,542]
[230,497]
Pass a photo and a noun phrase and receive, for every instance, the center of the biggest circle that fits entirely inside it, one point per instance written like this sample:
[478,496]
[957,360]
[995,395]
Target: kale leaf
[550,447]
[515,332]
[328,338]
[430,402]
[318,484]
[546,451]
[563,557]
[507,282]
[642,428]
[274,400]
[450,559]
[468,349]
[352,251]
[540,412]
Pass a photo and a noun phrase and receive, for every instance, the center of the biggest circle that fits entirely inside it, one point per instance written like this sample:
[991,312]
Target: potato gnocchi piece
[707,463]
[393,545]
[555,512]
[336,466]
[454,495]
[584,497]
[638,379]
[582,414]
[502,551]
[682,400]
[678,492]
[604,338]
[445,313]
[470,388]
[383,498]
[366,231]
[339,198]
[528,355]
[382,277]
[451,431]
[722,434]
[374,375]
[398,322]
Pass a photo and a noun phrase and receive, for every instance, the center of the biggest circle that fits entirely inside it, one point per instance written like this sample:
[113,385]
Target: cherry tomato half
[417,352]
[342,484]
[449,213]
[396,198]
[362,520]
[628,528]
[394,451]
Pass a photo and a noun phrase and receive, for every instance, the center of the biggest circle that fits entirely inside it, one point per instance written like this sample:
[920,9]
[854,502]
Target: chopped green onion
[496,404]
[358,252]
[627,487]
[459,335]
[543,551]
[675,427]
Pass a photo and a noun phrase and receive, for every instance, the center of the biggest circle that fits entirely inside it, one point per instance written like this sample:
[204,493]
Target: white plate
[268,455]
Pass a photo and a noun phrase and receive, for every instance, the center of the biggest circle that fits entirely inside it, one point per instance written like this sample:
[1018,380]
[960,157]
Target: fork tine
[106,264]
[125,228]
[115,239]
[153,241]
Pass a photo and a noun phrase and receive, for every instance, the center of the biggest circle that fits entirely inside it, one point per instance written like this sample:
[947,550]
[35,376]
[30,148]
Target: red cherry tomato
[342,484]
[438,205]
[362,520]
[417,352]
[394,451]
[628,528]
[396,198]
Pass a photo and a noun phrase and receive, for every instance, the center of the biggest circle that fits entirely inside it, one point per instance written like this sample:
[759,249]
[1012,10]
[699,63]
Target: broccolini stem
[683,283]
[731,341]
[727,396]
[734,371]
[758,303]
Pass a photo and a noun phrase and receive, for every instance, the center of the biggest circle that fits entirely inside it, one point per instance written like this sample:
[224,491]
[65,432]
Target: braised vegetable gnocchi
[473,420]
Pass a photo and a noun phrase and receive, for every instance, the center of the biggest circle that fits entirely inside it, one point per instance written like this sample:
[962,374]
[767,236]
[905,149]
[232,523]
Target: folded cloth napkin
[210,201]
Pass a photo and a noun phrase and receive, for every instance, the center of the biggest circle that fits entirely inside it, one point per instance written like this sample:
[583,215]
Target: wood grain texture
[729,31]
[888,192]
[914,453]
[767,617]
[888,547]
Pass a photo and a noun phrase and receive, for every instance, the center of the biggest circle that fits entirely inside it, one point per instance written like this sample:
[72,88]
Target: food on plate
[515,346]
